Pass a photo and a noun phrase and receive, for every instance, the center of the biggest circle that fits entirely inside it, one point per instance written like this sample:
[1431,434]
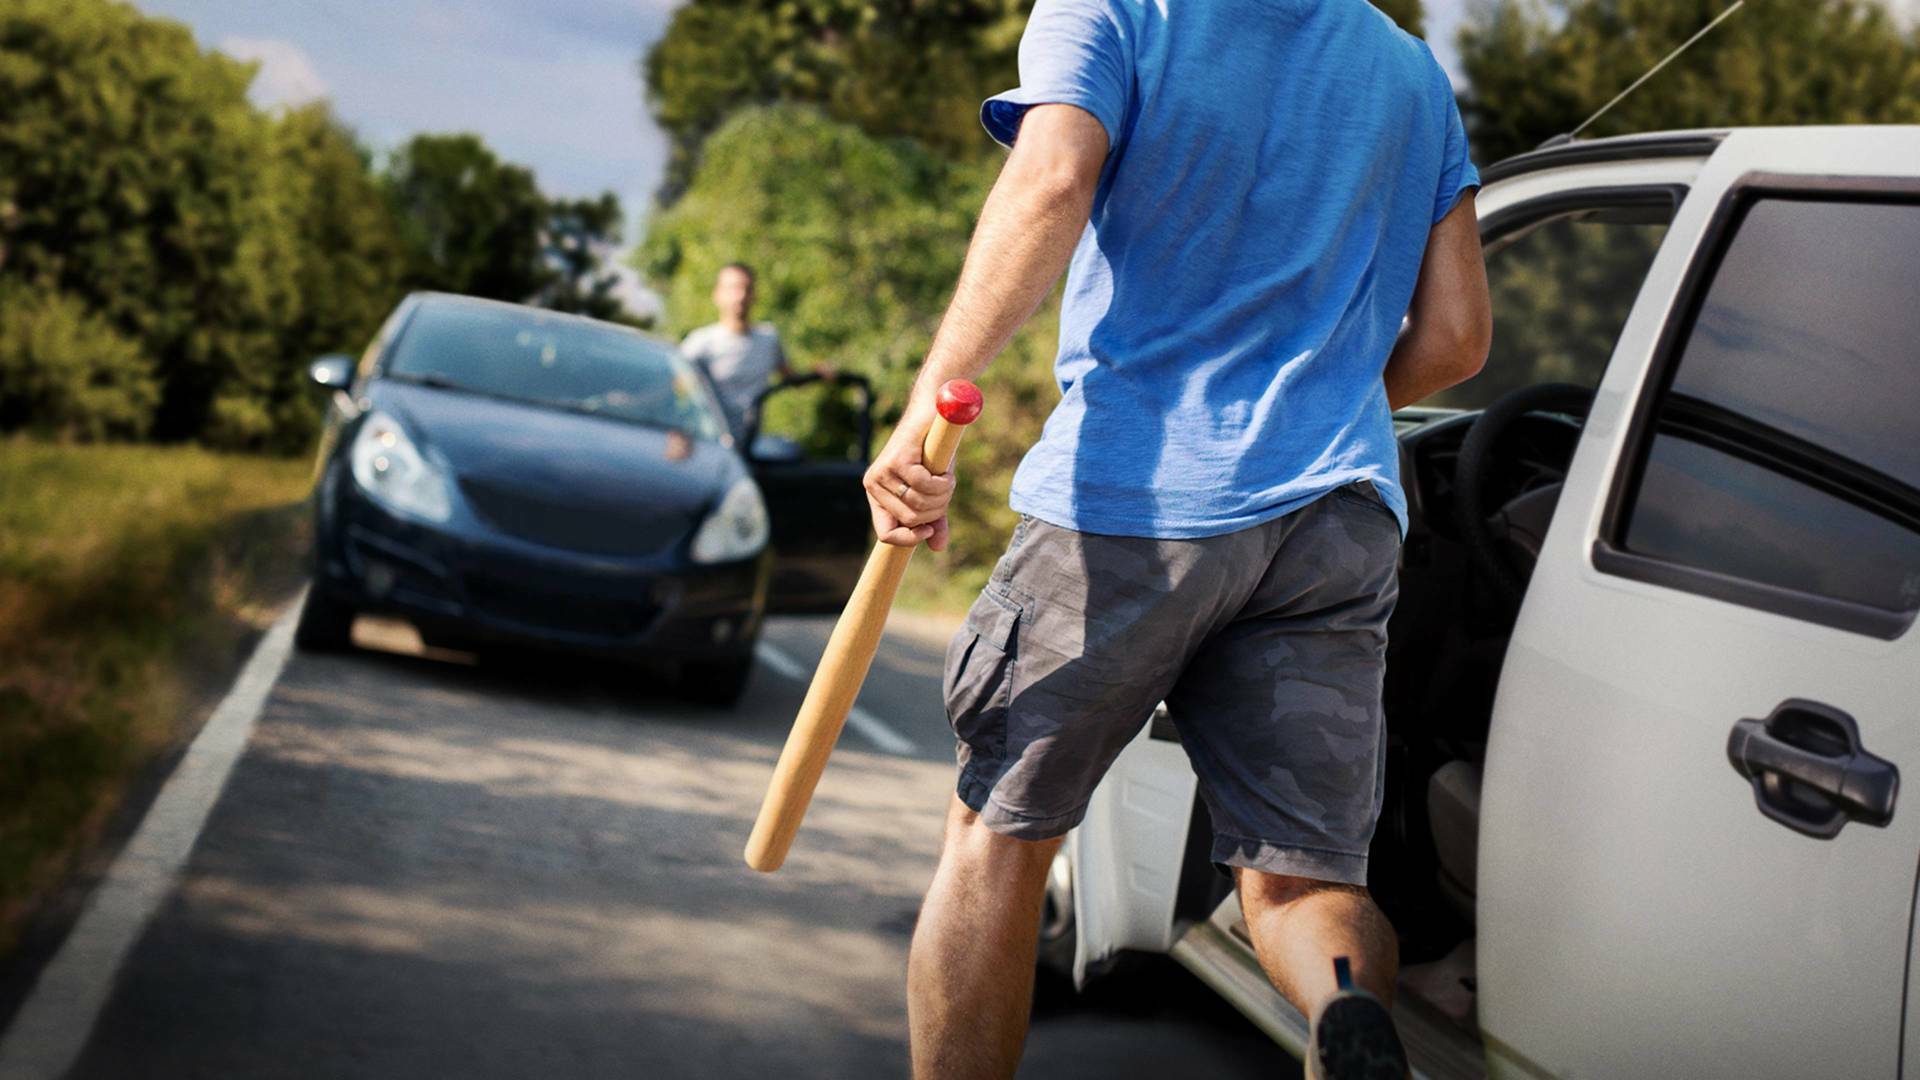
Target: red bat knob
[959,402]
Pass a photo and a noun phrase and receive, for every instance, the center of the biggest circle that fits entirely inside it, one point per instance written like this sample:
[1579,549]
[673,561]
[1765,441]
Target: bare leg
[970,974]
[1299,925]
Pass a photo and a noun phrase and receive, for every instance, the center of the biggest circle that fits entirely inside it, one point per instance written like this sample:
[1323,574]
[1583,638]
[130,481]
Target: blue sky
[553,84]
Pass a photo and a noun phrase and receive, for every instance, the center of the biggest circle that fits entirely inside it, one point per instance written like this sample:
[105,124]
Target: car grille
[558,522]
[530,606]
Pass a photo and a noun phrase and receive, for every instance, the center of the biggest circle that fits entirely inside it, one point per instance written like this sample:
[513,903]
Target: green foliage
[479,226]
[917,68]
[580,233]
[64,371]
[471,221]
[347,274]
[172,257]
[1410,14]
[145,189]
[1540,67]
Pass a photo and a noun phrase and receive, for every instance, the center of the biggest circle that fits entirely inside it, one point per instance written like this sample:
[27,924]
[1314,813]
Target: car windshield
[542,358]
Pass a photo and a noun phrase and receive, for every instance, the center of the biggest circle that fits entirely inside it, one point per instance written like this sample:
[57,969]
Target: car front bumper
[494,590]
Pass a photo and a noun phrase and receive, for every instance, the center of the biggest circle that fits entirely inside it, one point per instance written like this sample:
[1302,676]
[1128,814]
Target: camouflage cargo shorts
[1268,646]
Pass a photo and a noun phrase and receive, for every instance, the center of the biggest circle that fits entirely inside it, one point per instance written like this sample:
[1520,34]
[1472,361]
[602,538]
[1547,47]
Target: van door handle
[1809,771]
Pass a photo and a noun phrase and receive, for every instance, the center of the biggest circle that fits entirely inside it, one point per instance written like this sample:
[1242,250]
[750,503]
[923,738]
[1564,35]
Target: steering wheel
[1506,543]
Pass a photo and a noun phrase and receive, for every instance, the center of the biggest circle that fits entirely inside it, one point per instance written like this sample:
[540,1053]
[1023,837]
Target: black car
[500,475]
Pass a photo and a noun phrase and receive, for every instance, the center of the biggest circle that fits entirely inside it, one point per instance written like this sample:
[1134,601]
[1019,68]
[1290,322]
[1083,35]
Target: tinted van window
[1786,450]
[1561,289]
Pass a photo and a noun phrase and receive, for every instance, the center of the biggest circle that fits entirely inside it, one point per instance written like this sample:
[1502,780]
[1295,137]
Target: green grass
[130,577]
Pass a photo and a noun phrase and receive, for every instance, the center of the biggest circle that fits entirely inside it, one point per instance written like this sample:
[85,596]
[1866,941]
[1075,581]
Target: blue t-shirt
[1275,169]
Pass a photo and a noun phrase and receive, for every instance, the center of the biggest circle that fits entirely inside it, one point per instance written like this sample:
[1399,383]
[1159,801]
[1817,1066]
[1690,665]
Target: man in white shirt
[737,355]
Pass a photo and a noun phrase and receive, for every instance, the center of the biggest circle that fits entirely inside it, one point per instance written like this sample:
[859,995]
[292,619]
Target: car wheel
[326,625]
[717,682]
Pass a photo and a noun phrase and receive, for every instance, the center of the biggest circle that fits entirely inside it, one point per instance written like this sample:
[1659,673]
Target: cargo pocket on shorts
[979,672]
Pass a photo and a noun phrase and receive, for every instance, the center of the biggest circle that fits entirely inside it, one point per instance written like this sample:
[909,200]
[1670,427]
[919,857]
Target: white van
[1652,672]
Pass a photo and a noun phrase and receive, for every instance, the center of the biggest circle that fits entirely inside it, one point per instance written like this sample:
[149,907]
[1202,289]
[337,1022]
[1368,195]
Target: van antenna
[1651,72]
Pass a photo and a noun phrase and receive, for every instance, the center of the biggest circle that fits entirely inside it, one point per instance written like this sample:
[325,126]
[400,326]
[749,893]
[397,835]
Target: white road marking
[52,1026]
[872,727]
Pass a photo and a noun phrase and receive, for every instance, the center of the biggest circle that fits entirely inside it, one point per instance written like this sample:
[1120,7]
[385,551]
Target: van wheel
[325,625]
[1059,936]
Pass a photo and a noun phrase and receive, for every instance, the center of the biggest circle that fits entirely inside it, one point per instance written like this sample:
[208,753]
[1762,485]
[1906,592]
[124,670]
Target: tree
[471,222]
[347,274]
[896,67]
[580,237]
[1410,14]
[145,191]
[65,372]
[1538,68]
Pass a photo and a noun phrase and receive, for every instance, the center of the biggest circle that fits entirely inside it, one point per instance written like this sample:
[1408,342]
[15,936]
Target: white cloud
[286,76]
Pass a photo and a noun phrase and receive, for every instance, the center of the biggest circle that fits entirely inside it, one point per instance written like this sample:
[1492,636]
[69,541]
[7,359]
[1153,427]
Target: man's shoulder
[766,330]
[697,336]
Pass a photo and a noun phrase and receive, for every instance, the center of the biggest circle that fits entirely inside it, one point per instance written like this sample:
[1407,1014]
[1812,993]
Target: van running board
[1219,953]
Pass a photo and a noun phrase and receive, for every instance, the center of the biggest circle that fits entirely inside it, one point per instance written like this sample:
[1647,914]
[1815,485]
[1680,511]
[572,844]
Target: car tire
[326,625]
[717,682]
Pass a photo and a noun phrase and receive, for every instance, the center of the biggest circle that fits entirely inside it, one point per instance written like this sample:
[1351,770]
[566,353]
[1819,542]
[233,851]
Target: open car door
[1691,857]
[809,447]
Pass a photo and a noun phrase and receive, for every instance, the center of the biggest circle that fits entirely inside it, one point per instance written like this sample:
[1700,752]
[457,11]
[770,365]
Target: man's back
[1275,171]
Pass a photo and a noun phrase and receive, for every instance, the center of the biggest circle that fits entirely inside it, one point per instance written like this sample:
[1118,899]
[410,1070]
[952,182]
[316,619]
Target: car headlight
[388,467]
[736,529]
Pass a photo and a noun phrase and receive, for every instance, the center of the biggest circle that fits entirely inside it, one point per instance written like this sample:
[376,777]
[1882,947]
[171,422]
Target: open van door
[809,446]
[1692,859]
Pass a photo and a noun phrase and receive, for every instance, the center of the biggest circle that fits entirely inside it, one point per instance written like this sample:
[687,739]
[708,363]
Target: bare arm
[1028,229]
[1451,317]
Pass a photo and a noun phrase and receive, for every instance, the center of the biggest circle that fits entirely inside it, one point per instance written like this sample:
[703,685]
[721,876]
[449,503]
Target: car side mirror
[333,371]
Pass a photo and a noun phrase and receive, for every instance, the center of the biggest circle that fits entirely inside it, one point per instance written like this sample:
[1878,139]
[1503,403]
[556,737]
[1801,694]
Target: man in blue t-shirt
[1249,199]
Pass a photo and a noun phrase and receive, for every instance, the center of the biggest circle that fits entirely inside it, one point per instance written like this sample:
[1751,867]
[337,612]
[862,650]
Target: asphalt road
[422,867]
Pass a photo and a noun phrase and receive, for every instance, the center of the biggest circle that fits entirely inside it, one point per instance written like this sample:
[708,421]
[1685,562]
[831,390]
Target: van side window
[1562,288]
[1785,450]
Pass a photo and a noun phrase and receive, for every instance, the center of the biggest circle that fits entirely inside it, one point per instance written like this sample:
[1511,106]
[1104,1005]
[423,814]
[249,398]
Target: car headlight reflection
[736,529]
[387,466]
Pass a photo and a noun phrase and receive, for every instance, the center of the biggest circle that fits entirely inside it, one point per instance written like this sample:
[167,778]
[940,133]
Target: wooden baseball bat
[843,667]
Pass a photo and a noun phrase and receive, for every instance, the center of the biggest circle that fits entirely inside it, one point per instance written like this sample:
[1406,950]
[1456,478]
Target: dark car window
[548,359]
[1784,451]
[1561,291]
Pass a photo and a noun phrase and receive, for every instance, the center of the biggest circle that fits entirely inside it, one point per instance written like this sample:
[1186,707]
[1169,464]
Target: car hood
[583,483]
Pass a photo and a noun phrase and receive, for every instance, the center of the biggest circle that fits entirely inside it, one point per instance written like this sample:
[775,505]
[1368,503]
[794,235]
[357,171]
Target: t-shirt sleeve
[1074,52]
[1457,173]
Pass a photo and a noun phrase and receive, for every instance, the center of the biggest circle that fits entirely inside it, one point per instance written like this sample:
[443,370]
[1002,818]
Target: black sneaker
[1353,1037]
